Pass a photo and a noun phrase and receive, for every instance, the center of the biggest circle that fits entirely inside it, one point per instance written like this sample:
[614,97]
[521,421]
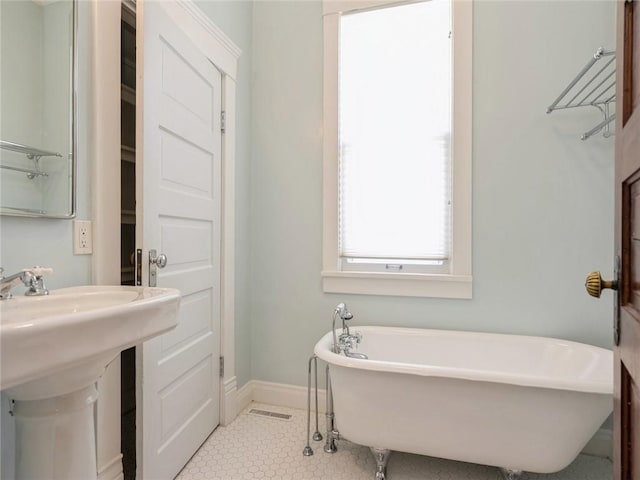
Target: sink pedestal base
[54,350]
[55,437]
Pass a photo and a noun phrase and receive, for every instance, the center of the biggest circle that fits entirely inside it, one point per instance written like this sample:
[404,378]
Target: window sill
[398,284]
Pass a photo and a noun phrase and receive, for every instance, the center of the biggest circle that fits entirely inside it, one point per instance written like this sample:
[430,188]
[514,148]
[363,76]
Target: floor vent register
[267,413]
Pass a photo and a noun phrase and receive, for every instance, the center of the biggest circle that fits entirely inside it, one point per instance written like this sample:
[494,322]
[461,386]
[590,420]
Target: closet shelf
[128,94]
[128,217]
[127,154]
[593,86]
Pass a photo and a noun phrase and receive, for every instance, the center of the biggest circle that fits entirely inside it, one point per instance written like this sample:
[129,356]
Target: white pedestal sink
[53,349]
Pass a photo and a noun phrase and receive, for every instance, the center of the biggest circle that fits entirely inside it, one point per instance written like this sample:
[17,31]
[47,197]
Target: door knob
[155,261]
[159,260]
[595,284]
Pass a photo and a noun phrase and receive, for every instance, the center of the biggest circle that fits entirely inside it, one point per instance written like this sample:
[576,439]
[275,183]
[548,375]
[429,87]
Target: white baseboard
[112,470]
[293,396]
[601,445]
[279,394]
[244,396]
[229,408]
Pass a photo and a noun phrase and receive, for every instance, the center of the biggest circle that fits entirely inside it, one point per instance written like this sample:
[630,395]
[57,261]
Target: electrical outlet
[82,237]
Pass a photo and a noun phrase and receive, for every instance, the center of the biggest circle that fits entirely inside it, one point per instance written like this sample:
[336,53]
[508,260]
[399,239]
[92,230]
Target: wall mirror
[37,108]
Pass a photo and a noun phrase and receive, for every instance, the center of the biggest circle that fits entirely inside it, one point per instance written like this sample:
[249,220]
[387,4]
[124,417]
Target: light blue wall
[25,242]
[542,198]
[234,19]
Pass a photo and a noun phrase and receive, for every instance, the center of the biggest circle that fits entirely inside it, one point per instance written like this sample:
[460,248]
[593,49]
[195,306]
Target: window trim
[458,282]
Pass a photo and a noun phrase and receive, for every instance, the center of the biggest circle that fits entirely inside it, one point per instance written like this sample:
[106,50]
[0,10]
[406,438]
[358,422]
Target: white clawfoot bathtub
[516,402]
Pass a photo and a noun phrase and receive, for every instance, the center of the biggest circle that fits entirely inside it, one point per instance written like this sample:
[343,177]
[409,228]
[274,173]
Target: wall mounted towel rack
[595,86]
[32,153]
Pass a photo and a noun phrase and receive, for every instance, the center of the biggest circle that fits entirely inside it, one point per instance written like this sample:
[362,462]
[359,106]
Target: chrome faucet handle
[36,286]
[29,277]
[345,342]
[39,271]
[36,283]
[357,337]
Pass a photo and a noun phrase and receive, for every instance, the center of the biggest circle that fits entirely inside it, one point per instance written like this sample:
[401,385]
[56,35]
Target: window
[397,152]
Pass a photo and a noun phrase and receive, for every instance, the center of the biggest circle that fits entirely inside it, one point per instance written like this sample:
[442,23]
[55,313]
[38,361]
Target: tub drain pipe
[332,434]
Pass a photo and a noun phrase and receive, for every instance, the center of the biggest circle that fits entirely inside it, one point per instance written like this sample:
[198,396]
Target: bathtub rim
[323,351]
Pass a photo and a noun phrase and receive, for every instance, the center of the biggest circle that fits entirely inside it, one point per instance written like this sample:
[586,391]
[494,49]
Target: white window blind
[395,133]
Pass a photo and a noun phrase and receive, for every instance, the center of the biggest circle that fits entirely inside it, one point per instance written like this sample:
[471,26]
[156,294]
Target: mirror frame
[74,131]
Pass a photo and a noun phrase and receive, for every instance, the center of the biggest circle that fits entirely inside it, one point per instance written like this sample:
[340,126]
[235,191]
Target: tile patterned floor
[255,447]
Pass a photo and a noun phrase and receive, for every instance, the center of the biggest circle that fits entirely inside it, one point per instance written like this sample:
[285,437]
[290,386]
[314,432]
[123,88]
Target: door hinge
[221,367]
[223,121]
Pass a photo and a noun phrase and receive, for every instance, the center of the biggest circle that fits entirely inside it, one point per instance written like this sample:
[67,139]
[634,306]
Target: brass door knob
[595,284]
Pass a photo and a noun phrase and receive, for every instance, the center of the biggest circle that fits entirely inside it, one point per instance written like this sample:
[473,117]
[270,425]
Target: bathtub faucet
[346,342]
[344,314]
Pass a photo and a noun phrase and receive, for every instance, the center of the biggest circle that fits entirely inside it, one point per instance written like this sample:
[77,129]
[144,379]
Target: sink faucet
[32,278]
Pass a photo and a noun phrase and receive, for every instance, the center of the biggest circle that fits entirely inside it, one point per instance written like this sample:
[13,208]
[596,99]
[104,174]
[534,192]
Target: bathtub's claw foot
[512,474]
[382,457]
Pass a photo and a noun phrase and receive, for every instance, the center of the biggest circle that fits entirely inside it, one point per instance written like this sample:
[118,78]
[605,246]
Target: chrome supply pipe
[308,451]
[317,436]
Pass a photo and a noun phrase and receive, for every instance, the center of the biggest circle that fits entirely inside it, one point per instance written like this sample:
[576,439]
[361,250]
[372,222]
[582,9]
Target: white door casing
[179,211]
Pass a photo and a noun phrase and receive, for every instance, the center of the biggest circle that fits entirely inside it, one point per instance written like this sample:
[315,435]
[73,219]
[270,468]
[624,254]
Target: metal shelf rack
[32,154]
[595,86]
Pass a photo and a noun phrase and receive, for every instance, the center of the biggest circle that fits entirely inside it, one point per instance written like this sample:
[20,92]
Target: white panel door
[179,208]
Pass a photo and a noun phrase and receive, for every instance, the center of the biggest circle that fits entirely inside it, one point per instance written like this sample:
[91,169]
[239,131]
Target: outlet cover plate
[82,237]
